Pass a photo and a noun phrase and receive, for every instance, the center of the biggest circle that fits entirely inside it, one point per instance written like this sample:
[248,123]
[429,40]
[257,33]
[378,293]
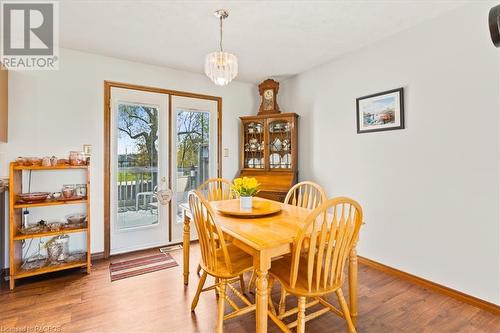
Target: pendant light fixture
[221,67]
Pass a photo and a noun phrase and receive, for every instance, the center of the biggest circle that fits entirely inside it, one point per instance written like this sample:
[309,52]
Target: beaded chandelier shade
[221,67]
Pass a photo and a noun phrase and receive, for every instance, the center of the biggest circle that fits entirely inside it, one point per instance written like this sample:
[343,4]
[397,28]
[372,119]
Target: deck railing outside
[136,186]
[136,180]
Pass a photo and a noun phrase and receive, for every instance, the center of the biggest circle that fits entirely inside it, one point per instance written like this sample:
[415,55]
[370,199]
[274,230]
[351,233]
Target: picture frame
[382,111]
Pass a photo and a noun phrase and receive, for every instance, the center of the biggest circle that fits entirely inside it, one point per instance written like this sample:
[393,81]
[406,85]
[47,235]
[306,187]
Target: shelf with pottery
[19,235]
[49,167]
[57,230]
[48,268]
[49,202]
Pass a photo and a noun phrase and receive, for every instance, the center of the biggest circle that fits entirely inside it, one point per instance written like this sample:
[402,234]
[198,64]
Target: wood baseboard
[482,304]
[97,256]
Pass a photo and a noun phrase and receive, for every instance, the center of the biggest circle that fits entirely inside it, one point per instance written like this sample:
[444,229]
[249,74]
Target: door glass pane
[280,144]
[254,145]
[193,152]
[137,165]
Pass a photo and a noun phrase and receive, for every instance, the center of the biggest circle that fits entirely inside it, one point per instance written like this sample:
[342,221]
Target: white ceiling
[271,38]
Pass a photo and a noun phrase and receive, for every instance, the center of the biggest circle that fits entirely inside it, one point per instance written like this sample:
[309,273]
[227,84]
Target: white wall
[58,111]
[430,192]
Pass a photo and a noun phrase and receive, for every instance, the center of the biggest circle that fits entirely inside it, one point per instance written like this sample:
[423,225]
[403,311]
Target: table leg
[185,248]
[353,284]
[261,268]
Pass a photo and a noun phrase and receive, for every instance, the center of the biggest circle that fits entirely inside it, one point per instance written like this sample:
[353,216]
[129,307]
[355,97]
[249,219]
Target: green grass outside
[128,176]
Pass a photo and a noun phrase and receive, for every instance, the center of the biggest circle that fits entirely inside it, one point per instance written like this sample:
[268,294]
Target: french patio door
[144,129]
[139,163]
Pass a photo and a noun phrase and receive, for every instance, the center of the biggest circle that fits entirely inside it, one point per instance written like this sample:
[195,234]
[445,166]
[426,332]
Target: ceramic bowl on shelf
[55,225]
[76,218]
[35,161]
[33,196]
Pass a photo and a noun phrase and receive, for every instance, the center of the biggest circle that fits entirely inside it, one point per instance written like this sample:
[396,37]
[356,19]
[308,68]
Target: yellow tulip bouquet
[245,187]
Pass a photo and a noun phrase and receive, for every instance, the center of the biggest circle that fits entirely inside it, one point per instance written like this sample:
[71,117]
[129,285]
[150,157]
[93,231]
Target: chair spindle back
[210,235]
[330,233]
[306,195]
[215,189]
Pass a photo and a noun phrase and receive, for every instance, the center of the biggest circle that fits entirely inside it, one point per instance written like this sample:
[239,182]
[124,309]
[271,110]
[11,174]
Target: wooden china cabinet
[269,146]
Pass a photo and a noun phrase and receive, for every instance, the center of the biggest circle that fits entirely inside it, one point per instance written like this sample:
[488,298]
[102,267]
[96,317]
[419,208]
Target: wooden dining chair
[331,231]
[216,189]
[306,195]
[225,262]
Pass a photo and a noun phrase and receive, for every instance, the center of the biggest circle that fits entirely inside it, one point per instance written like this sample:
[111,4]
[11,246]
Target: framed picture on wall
[380,112]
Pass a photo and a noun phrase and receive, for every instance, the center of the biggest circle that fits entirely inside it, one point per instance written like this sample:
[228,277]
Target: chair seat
[240,260]
[280,269]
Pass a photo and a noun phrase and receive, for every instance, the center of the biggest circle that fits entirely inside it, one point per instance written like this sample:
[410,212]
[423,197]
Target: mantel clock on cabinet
[268,91]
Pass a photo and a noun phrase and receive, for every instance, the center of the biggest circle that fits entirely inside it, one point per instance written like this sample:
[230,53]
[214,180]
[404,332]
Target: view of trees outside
[138,126]
[138,147]
[192,153]
[192,133]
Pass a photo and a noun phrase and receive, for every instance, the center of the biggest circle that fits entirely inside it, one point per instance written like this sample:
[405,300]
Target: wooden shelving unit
[15,221]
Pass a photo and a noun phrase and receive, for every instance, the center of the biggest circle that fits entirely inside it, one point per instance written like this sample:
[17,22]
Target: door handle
[163,196]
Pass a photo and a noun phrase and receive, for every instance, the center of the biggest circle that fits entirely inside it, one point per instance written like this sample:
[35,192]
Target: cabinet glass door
[280,144]
[253,145]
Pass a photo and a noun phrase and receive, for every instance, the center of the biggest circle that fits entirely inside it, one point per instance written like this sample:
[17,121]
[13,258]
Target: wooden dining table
[265,238]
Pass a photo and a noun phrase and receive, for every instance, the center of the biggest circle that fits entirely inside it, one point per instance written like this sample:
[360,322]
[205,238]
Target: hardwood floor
[159,302]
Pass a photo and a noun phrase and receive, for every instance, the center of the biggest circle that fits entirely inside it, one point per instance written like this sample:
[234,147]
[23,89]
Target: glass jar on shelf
[81,190]
[76,158]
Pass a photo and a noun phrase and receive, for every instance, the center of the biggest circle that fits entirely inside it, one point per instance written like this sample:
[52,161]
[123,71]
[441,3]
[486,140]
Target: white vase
[246,202]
